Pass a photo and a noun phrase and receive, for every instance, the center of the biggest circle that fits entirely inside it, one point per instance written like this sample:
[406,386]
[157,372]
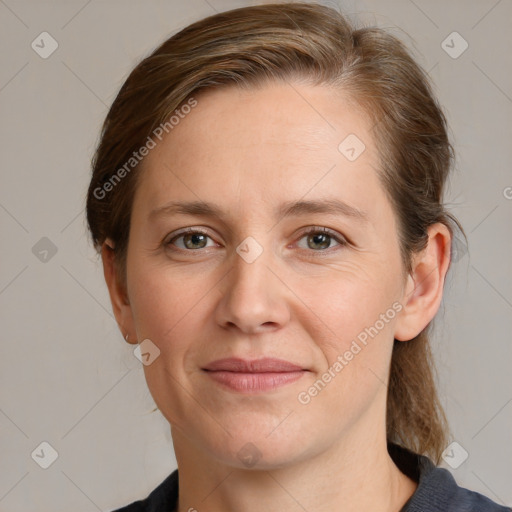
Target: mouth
[253,376]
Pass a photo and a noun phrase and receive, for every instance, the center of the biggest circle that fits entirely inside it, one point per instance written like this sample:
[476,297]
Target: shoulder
[443,492]
[437,489]
[163,497]
[454,498]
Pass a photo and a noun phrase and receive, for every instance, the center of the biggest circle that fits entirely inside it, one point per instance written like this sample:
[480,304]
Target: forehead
[278,113]
[279,141]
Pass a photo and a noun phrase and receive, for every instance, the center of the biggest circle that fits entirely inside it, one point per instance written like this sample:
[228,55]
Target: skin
[247,152]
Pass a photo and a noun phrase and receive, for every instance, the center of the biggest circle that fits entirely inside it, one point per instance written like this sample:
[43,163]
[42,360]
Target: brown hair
[317,45]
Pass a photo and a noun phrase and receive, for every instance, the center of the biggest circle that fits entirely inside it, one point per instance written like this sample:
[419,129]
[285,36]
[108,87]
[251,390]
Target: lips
[264,365]
[253,376]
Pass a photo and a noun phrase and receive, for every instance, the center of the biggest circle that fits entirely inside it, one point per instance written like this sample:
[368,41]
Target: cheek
[165,305]
[354,340]
[352,326]
[345,303]
[168,309]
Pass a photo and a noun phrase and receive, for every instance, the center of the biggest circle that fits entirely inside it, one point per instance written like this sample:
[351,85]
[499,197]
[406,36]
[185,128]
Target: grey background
[66,375]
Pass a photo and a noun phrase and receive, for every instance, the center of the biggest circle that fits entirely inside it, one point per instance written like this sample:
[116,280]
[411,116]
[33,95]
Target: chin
[259,446]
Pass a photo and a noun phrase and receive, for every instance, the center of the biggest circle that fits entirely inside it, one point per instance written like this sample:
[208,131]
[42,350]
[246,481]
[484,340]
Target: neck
[355,475]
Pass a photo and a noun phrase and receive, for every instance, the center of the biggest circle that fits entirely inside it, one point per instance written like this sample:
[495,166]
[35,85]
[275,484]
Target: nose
[254,299]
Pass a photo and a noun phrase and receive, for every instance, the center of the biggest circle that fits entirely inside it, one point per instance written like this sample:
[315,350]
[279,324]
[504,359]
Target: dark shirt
[437,490]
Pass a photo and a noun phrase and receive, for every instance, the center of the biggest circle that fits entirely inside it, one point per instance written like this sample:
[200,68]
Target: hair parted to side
[315,45]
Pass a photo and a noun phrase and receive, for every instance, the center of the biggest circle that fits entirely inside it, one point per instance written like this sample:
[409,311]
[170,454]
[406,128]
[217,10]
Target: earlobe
[424,288]
[117,290]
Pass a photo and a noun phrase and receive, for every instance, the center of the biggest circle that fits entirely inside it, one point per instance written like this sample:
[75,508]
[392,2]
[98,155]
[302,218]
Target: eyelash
[308,231]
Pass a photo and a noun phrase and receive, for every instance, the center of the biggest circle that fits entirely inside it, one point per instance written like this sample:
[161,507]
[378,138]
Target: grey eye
[319,239]
[193,240]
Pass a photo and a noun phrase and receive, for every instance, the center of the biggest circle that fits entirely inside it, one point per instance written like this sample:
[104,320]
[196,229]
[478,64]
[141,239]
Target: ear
[118,294]
[424,287]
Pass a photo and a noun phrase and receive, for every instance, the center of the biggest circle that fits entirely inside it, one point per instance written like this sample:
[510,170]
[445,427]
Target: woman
[267,200]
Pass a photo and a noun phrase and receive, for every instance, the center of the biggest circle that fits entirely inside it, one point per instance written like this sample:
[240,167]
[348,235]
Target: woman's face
[253,284]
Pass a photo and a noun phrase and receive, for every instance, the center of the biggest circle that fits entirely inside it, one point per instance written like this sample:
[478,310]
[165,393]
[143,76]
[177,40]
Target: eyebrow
[288,209]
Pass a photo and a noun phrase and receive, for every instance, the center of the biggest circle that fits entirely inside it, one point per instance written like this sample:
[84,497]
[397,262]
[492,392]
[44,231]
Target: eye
[192,239]
[319,239]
